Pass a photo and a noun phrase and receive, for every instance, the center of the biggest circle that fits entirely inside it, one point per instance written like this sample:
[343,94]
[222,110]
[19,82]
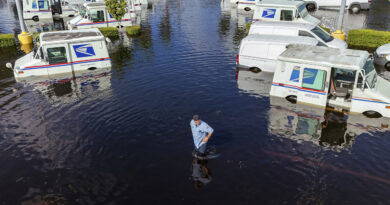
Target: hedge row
[133,30]
[110,32]
[7,40]
[366,39]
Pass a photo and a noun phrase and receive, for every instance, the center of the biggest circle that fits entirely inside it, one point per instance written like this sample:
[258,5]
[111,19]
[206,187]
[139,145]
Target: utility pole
[339,33]
[24,38]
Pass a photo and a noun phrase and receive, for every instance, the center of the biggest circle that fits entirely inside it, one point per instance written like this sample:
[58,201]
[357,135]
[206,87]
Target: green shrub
[247,27]
[110,32]
[366,39]
[326,29]
[133,30]
[7,40]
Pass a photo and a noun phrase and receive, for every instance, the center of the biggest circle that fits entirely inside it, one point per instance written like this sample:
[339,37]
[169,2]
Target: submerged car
[382,56]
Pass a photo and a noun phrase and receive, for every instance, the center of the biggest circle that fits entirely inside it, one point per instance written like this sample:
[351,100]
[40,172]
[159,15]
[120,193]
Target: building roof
[281,39]
[70,35]
[333,57]
[284,24]
[280,3]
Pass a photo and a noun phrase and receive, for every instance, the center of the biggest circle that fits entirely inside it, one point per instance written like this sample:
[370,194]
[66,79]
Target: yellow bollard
[339,34]
[27,48]
[25,38]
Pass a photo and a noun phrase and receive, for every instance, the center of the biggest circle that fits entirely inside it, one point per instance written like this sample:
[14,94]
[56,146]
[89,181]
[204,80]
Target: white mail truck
[63,52]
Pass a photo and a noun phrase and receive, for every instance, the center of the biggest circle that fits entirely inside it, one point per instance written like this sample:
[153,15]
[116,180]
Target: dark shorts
[202,148]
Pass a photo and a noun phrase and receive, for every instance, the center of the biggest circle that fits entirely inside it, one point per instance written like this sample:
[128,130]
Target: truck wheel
[35,18]
[355,8]
[255,69]
[387,66]
[92,68]
[372,114]
[311,7]
[247,9]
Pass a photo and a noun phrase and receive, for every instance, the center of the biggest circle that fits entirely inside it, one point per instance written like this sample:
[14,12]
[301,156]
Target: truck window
[286,15]
[43,5]
[57,55]
[325,36]
[314,79]
[97,16]
[305,33]
[359,80]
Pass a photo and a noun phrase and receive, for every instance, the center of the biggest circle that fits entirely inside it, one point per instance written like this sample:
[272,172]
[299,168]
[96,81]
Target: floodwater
[122,136]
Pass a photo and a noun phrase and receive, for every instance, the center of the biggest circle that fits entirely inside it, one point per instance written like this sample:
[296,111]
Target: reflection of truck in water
[324,127]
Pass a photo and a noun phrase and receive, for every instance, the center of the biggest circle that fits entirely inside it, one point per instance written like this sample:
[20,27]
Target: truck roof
[283,24]
[319,55]
[280,3]
[95,4]
[70,36]
[280,39]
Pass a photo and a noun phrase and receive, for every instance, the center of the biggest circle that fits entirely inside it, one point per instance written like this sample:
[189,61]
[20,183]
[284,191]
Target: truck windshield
[302,11]
[83,11]
[370,73]
[322,34]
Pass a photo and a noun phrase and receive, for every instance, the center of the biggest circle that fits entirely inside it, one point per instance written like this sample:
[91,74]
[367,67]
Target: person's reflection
[334,129]
[200,173]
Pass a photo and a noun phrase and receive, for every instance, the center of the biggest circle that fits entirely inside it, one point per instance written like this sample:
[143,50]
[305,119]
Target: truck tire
[247,9]
[92,68]
[387,66]
[372,114]
[355,8]
[311,7]
[35,18]
[255,69]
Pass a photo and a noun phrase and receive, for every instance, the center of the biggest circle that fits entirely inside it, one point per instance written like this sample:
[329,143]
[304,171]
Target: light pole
[24,38]
[339,33]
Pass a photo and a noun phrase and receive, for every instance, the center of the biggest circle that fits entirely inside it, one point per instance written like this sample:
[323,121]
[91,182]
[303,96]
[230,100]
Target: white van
[353,5]
[296,29]
[95,15]
[63,52]
[283,10]
[44,9]
[324,76]
[259,52]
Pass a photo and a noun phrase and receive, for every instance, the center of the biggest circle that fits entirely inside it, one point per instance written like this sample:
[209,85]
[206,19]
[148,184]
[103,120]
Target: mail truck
[323,76]
[63,52]
[259,52]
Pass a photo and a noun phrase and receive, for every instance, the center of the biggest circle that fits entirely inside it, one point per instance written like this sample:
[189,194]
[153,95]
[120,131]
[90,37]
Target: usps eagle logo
[269,13]
[84,50]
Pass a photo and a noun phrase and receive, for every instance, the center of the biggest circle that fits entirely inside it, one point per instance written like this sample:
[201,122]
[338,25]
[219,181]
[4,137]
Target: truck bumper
[365,6]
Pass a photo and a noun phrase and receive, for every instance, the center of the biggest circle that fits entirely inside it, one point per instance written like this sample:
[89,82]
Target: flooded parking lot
[122,135]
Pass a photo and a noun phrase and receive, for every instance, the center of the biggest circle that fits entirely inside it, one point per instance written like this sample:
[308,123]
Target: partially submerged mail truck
[339,78]
[63,52]
[283,10]
[95,15]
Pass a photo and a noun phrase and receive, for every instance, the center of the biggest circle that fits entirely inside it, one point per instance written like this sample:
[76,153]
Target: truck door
[56,7]
[58,59]
[98,17]
[314,87]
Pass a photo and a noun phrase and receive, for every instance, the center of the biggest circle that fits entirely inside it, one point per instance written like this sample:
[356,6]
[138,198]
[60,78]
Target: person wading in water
[201,132]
